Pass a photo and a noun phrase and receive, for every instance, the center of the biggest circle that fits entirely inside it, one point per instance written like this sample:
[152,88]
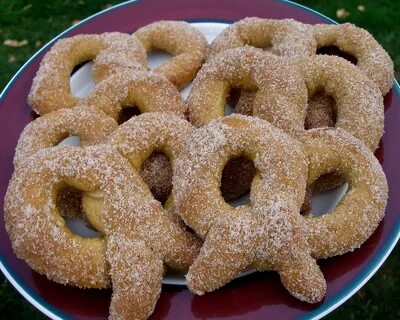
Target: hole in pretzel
[81,79]
[335,51]
[240,101]
[127,112]
[324,194]
[69,204]
[78,66]
[157,57]
[236,180]
[70,141]
[321,111]
[156,171]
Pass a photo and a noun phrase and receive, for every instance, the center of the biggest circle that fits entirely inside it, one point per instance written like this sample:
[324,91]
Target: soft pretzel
[359,212]
[110,52]
[136,139]
[372,59]
[281,99]
[359,103]
[138,235]
[267,234]
[187,44]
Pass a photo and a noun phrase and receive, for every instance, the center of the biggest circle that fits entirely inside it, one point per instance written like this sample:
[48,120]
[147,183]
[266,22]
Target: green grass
[38,22]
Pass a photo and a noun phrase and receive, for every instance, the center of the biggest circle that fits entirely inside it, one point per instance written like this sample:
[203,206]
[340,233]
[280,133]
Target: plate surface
[255,296]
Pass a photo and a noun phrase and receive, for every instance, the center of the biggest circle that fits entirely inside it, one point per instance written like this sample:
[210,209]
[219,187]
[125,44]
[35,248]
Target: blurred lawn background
[25,26]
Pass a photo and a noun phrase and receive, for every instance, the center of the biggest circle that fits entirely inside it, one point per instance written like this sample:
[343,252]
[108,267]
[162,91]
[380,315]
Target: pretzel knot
[139,234]
[268,233]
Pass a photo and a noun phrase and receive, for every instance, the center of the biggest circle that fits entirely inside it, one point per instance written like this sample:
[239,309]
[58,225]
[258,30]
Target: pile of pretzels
[157,186]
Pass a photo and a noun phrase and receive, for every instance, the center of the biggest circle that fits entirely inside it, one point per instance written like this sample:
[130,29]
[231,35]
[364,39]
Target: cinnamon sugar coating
[267,234]
[359,102]
[359,212]
[148,91]
[136,139]
[89,123]
[111,179]
[138,236]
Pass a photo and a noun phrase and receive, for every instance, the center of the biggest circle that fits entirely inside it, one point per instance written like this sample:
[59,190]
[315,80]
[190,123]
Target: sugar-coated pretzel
[110,52]
[359,212]
[287,37]
[88,122]
[187,45]
[267,234]
[372,59]
[281,96]
[359,102]
[136,140]
[138,235]
[148,91]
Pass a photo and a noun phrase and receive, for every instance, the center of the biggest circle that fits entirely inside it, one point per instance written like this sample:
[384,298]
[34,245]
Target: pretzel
[267,234]
[372,59]
[359,212]
[359,102]
[138,235]
[187,44]
[136,139]
[149,92]
[110,52]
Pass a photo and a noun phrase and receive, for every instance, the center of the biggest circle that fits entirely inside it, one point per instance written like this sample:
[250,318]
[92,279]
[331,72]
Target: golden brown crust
[359,212]
[266,234]
[372,59]
[149,92]
[110,52]
[134,295]
[187,44]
